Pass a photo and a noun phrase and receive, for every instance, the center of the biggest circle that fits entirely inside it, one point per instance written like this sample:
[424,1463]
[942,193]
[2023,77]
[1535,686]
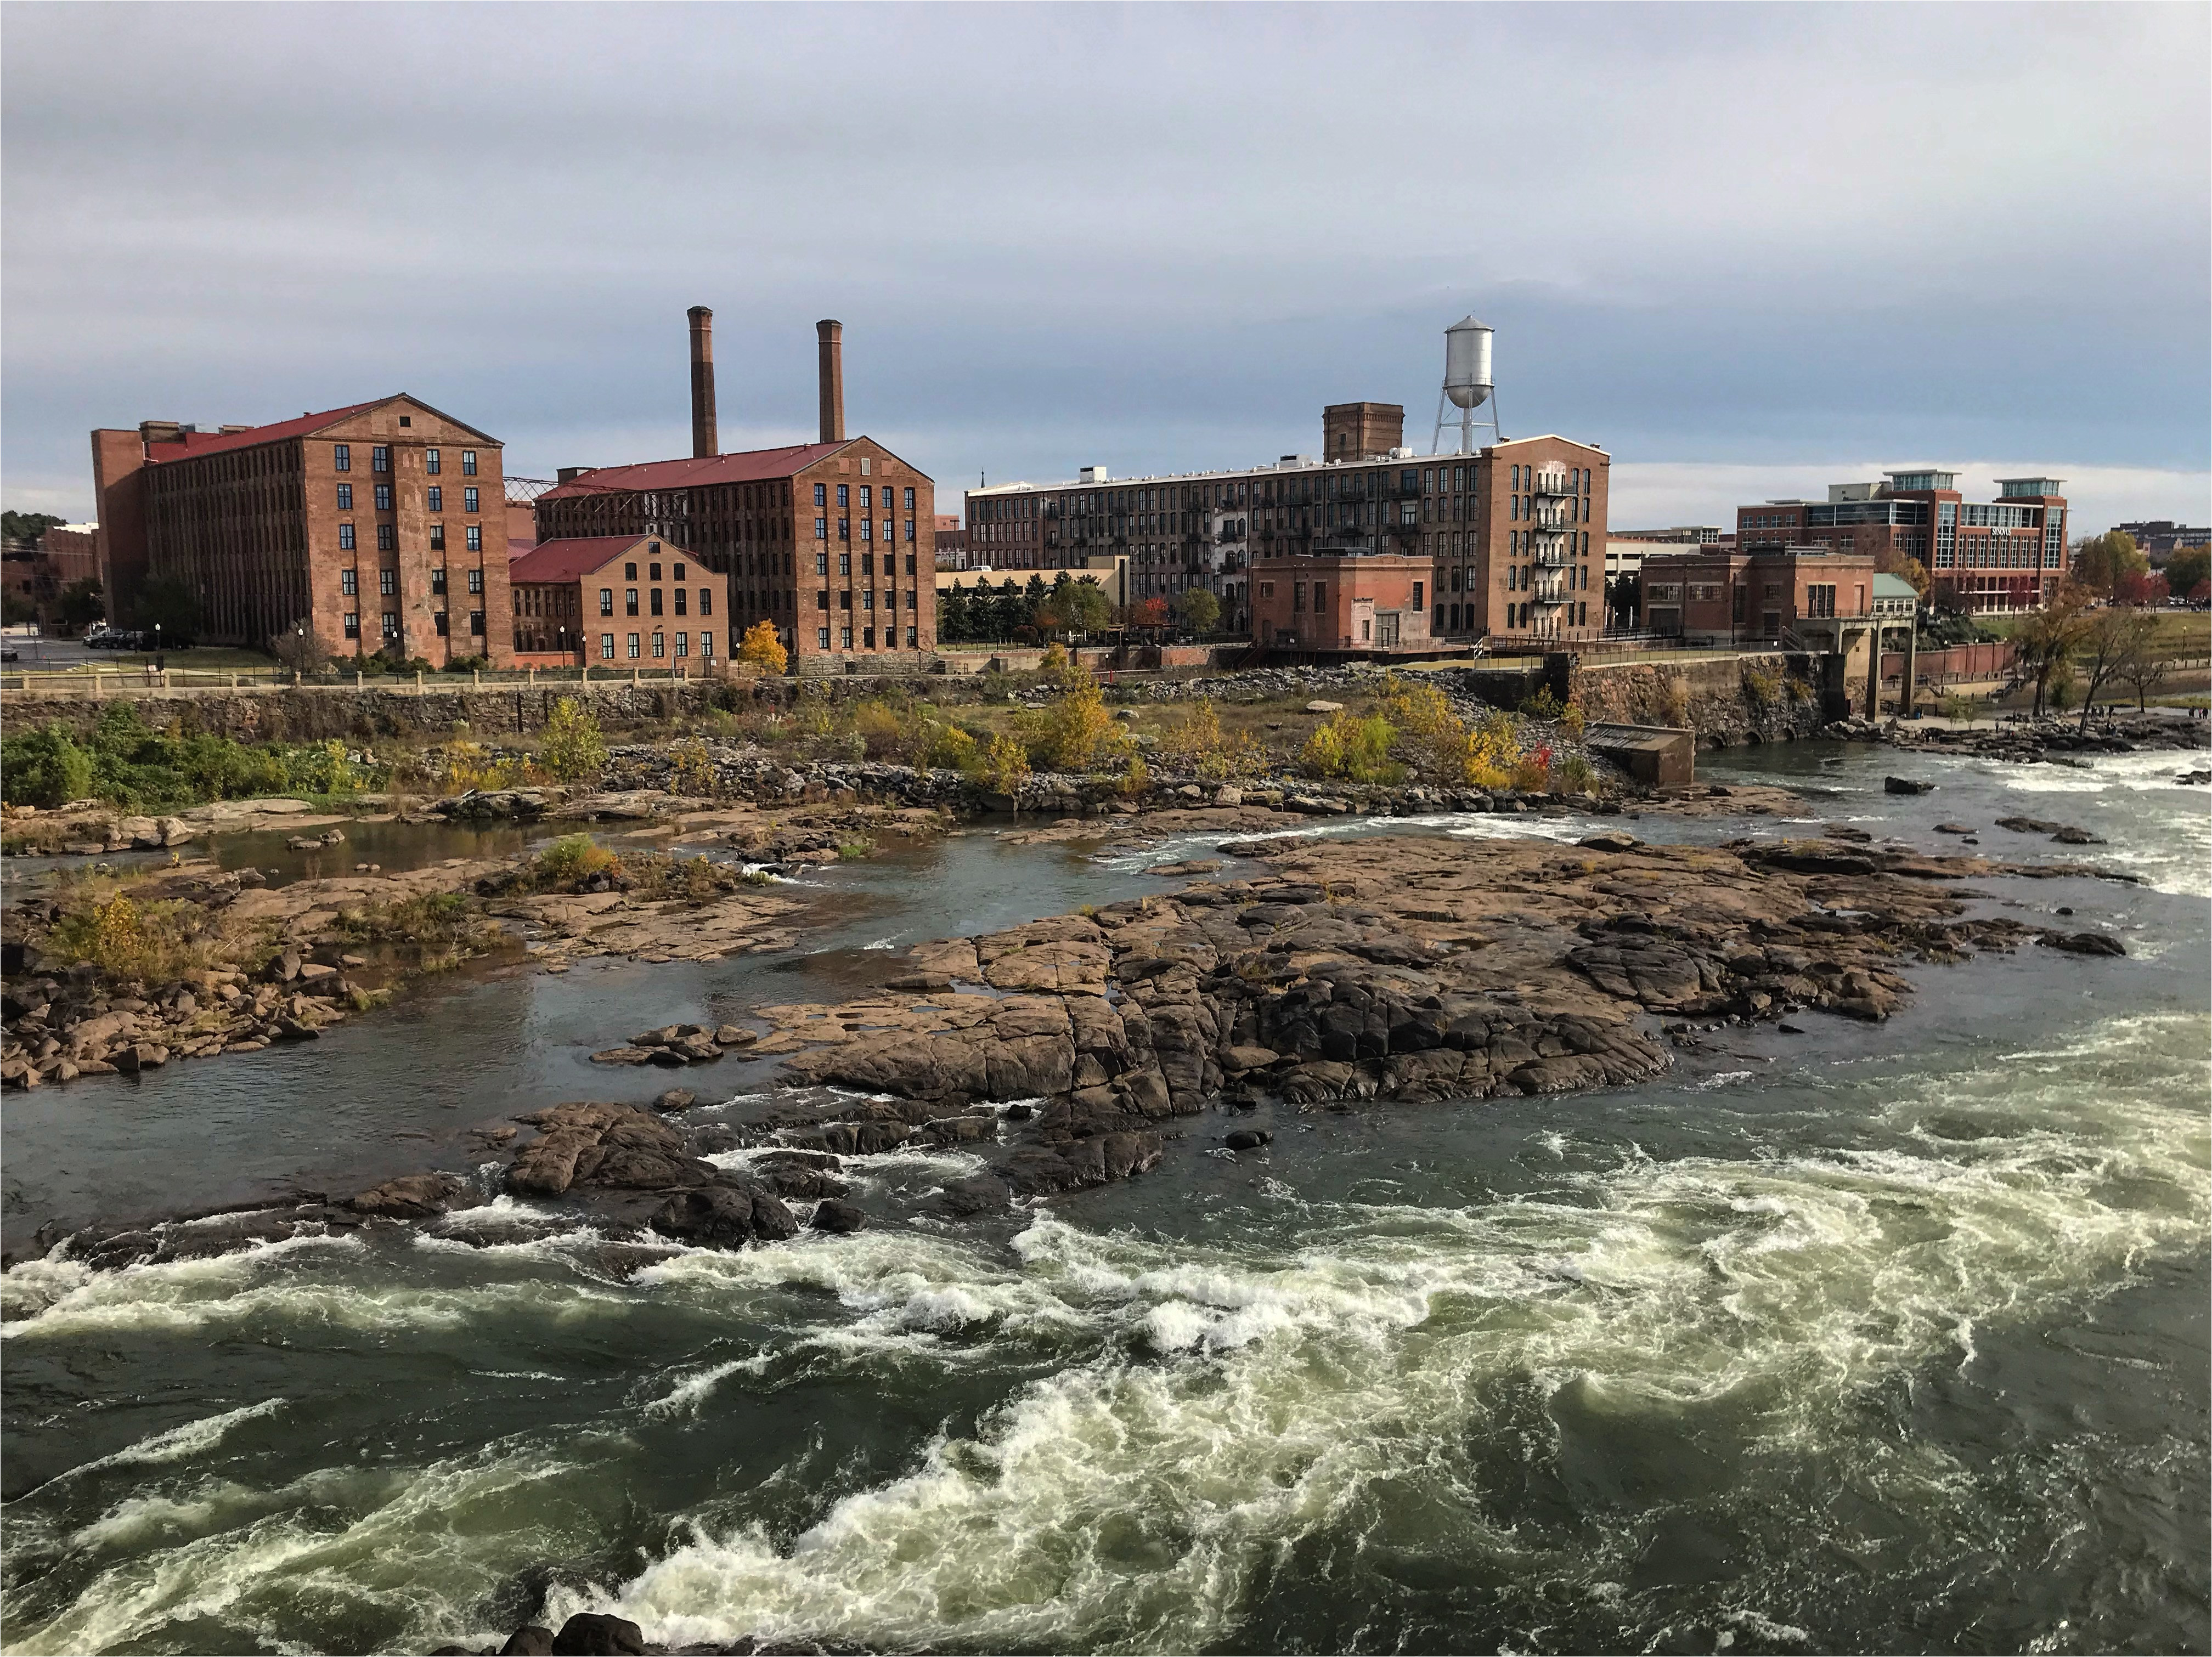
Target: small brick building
[382,525]
[1350,604]
[617,601]
[1717,596]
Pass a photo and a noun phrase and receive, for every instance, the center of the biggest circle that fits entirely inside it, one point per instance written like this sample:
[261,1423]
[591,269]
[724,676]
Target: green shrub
[1350,748]
[568,861]
[45,767]
[573,750]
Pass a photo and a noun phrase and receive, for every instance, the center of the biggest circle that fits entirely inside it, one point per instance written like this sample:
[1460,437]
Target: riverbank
[128,973]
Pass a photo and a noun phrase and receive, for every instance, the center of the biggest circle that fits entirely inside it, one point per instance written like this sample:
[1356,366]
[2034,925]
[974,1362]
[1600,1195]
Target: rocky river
[1628,1314]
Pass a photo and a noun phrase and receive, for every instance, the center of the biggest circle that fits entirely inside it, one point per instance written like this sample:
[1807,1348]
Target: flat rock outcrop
[1391,967]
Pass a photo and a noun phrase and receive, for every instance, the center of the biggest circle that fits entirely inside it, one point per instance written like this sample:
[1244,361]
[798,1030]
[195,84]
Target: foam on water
[1284,1384]
[1212,1405]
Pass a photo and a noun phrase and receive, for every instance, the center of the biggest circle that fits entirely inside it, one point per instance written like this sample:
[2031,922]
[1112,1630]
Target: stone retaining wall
[1771,697]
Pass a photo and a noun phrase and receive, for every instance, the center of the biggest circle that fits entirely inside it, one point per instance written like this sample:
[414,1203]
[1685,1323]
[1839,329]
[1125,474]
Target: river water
[1877,1338]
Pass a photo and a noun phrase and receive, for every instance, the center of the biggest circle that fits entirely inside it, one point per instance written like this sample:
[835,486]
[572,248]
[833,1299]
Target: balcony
[1550,482]
[1548,598]
[1548,518]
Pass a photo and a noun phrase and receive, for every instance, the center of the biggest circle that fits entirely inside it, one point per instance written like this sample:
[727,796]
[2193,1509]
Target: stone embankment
[2024,742]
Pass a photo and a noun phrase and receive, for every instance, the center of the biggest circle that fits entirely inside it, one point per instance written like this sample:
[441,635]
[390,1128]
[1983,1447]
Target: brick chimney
[832,337]
[705,441]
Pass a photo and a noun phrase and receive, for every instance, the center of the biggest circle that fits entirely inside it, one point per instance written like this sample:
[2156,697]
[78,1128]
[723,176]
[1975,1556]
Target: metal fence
[101,683]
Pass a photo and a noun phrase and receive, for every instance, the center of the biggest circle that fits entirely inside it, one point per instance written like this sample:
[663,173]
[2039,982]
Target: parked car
[9,653]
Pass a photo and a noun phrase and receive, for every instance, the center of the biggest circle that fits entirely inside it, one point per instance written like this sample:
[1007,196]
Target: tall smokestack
[704,440]
[832,336]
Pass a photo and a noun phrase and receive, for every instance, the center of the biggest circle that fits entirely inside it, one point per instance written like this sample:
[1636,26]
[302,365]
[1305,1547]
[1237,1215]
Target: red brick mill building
[379,527]
[833,542]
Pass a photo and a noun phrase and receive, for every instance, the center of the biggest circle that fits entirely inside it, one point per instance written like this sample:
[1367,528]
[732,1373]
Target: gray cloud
[1146,237]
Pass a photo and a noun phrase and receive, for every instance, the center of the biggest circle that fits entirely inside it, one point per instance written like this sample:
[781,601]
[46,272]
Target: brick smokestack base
[705,440]
[832,337]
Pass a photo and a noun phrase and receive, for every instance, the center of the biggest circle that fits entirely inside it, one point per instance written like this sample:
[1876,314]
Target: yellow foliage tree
[761,650]
[1007,764]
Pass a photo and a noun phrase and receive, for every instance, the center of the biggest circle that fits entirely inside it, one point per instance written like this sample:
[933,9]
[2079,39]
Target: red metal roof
[577,555]
[197,443]
[750,466]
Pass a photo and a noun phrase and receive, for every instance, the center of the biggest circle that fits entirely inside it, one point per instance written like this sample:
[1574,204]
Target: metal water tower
[1467,383]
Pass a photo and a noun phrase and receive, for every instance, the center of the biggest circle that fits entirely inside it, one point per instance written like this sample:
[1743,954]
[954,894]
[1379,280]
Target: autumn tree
[2188,570]
[2112,642]
[2046,642]
[761,650]
[2103,561]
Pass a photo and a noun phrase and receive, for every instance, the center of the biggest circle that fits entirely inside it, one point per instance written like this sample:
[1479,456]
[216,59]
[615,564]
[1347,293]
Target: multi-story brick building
[2007,555]
[1512,531]
[380,526]
[617,601]
[834,542]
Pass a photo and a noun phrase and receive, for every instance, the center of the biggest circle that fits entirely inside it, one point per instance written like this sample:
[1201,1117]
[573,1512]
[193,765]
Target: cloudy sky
[1748,250]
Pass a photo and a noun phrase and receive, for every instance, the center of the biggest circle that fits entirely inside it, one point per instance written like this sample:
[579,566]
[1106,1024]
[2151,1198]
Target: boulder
[2086,942]
[725,1217]
[531,1640]
[840,1218]
[1317,705]
[415,1197]
[1905,786]
[1249,1138]
[588,1635]
[624,1056]
[1612,841]
[676,1099]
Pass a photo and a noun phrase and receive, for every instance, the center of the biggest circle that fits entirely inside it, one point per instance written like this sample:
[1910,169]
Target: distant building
[2008,554]
[382,525]
[617,601]
[1692,535]
[2162,537]
[1717,597]
[35,573]
[951,542]
[1507,530]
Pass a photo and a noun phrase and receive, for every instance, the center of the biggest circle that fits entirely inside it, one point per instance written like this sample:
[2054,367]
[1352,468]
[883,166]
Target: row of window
[867,529]
[387,537]
[387,581]
[653,597]
[867,638]
[867,563]
[1309,489]
[435,500]
[440,623]
[379,461]
[867,600]
[634,646]
[845,496]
